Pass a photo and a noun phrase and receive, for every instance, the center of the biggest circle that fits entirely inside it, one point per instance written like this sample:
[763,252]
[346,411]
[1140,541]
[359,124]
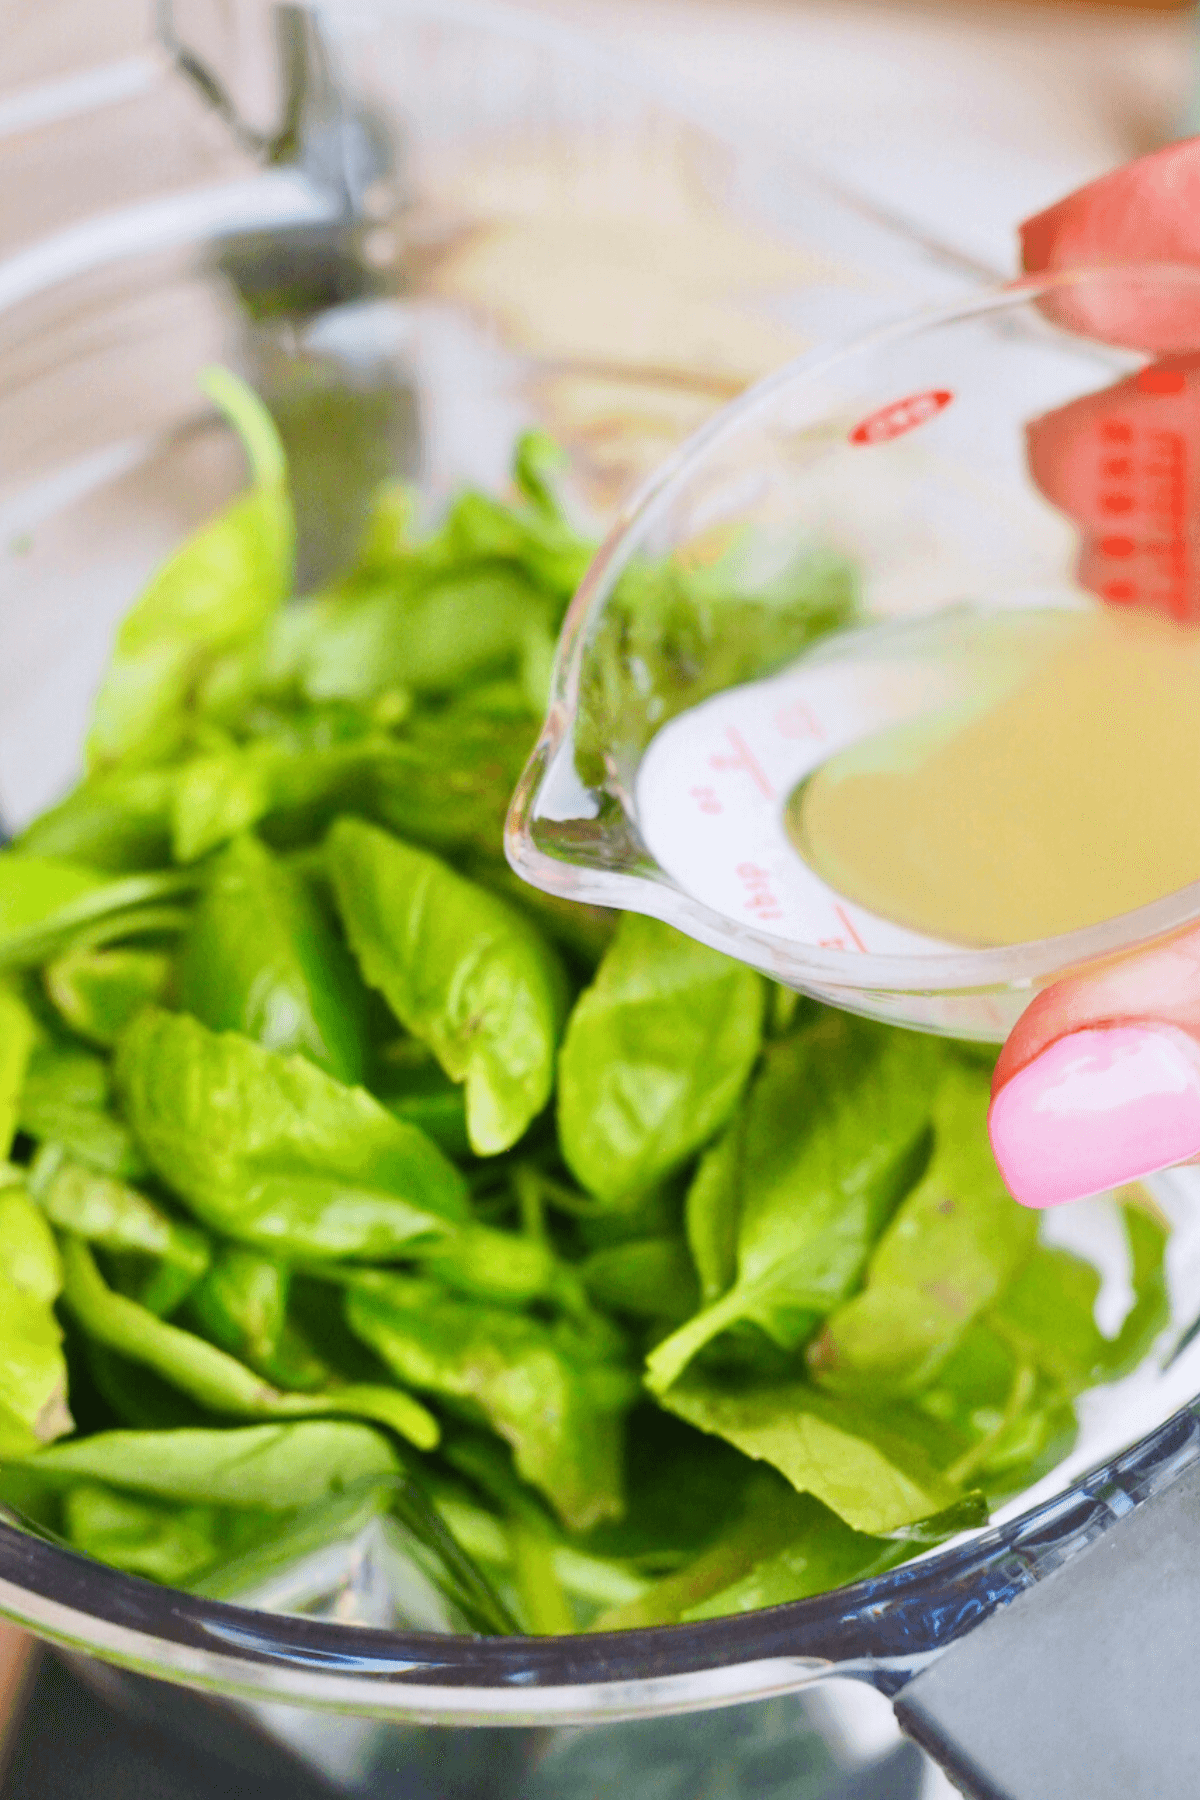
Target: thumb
[1099,1082]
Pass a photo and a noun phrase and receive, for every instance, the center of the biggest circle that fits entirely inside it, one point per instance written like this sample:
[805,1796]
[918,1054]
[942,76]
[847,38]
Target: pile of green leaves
[345,1176]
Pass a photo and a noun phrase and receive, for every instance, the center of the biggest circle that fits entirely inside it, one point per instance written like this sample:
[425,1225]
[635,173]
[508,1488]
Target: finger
[1099,1082]
[1146,212]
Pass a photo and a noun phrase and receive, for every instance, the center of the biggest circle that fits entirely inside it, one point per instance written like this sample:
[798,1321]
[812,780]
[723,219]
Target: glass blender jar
[362,225]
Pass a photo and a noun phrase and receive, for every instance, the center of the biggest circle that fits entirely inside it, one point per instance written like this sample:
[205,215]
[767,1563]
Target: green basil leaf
[448,778]
[269,1467]
[820,1177]
[468,623]
[712,1211]
[876,1470]
[18,1032]
[535,537]
[656,1052]
[1151,1310]
[339,1519]
[28,1251]
[583,932]
[242,1305]
[66,1100]
[260,958]
[537,461]
[216,1380]
[955,1243]
[116,1216]
[46,906]
[97,992]
[271,1151]
[541,1387]
[824,1554]
[213,596]
[669,638]
[1047,1315]
[461,971]
[33,1372]
[649,1278]
[221,795]
[500,1266]
[118,821]
[166,1543]
[427,1098]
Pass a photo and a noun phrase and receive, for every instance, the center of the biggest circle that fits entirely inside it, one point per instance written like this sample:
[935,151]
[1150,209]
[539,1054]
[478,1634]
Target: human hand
[1099,1082]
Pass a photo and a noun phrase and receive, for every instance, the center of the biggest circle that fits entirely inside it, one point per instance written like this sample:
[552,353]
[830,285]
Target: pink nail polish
[1097,1108]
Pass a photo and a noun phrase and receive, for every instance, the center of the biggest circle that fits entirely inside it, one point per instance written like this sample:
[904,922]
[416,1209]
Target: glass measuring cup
[829,556]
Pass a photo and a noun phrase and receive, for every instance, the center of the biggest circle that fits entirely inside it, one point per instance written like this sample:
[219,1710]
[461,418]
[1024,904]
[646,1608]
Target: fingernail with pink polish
[1097,1108]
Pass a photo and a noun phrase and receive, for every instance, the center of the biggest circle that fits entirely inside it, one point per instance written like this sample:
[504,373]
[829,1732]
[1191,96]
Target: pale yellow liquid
[1063,789]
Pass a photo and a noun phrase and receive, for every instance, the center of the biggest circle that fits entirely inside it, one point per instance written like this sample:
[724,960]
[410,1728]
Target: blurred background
[957,115]
[909,139]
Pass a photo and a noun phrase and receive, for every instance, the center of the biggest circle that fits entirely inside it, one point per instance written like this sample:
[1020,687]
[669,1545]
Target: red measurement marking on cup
[706,799]
[740,756]
[1141,504]
[840,943]
[1160,381]
[797,720]
[760,895]
[901,416]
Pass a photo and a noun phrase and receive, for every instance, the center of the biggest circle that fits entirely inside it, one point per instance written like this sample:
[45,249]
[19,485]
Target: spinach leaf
[97,992]
[216,1380]
[260,958]
[954,1245]
[833,1133]
[461,971]
[876,1470]
[116,1216]
[656,1052]
[271,1468]
[273,1152]
[209,599]
[543,1388]
[66,1101]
